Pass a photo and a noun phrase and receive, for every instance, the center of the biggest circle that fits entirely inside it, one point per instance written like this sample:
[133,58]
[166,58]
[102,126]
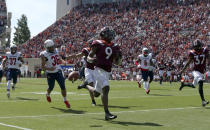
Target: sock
[106,111]
[93,101]
[148,86]
[145,85]
[8,84]
[200,89]
[161,79]
[64,99]
[47,94]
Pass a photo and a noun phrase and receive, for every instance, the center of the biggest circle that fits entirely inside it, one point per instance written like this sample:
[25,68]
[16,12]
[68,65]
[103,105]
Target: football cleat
[8,94]
[94,103]
[67,104]
[204,103]
[48,98]
[81,86]
[147,91]
[139,84]
[109,116]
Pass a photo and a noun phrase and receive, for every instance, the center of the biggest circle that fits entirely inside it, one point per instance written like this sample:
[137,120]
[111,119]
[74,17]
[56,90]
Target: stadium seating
[166,27]
[3,16]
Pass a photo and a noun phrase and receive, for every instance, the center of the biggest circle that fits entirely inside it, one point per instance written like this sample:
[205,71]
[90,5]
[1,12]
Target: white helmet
[145,51]
[48,43]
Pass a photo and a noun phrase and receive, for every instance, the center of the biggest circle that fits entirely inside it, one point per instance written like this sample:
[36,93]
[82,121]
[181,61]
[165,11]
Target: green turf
[165,108]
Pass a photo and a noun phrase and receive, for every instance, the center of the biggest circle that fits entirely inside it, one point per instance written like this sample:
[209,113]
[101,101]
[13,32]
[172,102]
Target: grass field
[165,108]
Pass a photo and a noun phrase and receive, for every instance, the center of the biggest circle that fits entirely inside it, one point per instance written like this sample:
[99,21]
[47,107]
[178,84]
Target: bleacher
[166,27]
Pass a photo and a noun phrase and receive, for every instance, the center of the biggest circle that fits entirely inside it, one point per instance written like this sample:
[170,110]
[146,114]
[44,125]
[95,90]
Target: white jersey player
[12,59]
[50,61]
[145,61]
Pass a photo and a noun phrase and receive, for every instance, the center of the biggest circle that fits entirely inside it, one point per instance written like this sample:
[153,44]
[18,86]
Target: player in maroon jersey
[199,56]
[107,53]
[169,67]
[89,71]
[161,67]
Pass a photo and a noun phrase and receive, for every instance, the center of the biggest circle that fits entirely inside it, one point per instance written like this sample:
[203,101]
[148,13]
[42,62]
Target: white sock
[64,99]
[8,84]
[142,80]
[145,85]
[148,86]
[47,94]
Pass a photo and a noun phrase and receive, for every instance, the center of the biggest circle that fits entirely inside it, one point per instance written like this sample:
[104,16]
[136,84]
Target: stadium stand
[166,27]
[3,16]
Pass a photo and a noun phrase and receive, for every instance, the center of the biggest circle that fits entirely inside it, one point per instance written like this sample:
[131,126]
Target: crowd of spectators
[3,16]
[166,27]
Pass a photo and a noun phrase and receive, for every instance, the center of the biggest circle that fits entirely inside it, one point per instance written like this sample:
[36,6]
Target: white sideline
[99,113]
[14,126]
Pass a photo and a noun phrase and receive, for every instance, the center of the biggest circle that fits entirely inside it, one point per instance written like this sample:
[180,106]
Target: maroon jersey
[104,54]
[199,59]
[86,52]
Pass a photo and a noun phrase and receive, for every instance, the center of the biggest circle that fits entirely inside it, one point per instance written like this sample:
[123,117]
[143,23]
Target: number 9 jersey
[105,53]
[13,60]
[52,60]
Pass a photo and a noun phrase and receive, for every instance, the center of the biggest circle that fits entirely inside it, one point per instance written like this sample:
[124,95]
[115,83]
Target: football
[73,76]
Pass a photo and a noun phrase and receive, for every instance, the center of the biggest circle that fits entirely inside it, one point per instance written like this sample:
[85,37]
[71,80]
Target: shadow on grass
[160,95]
[121,107]
[69,110]
[96,126]
[127,123]
[27,99]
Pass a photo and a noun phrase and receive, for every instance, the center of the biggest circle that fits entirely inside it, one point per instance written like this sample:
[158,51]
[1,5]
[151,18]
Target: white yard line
[99,113]
[14,126]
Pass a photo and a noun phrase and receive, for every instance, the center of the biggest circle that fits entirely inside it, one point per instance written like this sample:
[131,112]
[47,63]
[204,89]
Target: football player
[1,69]
[161,67]
[104,53]
[50,62]
[145,61]
[89,71]
[170,67]
[12,59]
[199,56]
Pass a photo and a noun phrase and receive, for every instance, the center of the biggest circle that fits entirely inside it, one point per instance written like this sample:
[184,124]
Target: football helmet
[49,45]
[107,33]
[145,51]
[197,45]
[13,48]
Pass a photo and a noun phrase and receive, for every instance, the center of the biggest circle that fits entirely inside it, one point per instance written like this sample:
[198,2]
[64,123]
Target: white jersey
[13,60]
[151,68]
[52,60]
[145,61]
[1,67]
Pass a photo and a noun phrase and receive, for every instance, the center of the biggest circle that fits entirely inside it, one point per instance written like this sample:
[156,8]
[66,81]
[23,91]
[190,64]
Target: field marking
[100,113]
[15,126]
